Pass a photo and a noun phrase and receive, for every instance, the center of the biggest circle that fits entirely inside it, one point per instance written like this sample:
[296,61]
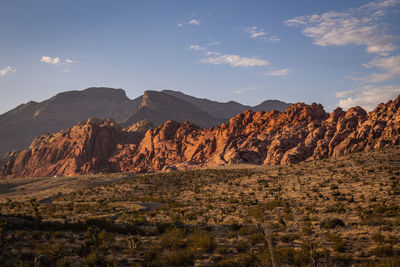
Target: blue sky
[338,52]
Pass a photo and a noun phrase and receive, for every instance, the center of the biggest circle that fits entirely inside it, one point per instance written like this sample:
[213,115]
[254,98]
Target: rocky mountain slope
[228,109]
[159,107]
[301,132]
[20,126]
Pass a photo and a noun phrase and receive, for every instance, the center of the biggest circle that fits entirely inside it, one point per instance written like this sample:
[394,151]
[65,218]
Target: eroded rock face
[84,148]
[302,132]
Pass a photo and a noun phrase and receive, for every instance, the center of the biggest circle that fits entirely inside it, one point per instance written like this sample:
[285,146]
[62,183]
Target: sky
[337,53]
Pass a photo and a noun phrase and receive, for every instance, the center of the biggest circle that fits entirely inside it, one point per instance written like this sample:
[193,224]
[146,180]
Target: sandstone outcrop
[19,126]
[302,132]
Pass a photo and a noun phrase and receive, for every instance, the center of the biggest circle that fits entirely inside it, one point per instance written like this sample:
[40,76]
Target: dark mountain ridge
[19,126]
[300,133]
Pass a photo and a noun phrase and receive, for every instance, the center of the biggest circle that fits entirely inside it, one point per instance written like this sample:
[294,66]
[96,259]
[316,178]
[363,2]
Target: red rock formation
[302,132]
[84,148]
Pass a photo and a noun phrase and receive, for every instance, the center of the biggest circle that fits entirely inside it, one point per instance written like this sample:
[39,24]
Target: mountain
[20,126]
[302,132]
[158,107]
[228,109]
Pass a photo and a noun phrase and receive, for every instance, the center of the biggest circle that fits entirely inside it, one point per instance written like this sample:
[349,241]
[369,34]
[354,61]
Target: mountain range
[301,133]
[19,126]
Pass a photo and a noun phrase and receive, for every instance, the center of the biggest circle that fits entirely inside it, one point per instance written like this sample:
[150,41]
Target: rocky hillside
[302,132]
[228,109]
[159,107]
[21,125]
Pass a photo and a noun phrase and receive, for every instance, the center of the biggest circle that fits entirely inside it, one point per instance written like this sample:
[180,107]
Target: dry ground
[337,212]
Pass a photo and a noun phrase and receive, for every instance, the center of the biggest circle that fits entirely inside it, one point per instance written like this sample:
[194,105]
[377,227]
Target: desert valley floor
[342,211]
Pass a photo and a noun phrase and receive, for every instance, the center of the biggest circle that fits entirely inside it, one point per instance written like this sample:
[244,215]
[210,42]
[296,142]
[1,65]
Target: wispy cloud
[179,25]
[281,72]
[367,97]
[7,70]
[213,43]
[390,67]
[343,94]
[194,22]
[243,90]
[69,61]
[212,53]
[359,26]
[257,33]
[235,61]
[50,60]
[196,47]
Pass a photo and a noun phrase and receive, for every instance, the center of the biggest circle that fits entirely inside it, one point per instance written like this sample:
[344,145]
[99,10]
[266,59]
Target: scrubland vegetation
[335,212]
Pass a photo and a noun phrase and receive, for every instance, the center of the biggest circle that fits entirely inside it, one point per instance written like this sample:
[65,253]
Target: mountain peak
[302,132]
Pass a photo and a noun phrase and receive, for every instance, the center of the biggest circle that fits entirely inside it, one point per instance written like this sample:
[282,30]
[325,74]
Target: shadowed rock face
[302,132]
[228,109]
[159,107]
[20,126]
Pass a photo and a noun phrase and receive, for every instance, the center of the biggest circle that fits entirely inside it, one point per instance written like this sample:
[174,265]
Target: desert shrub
[383,251]
[242,246]
[339,244]
[173,238]
[378,238]
[245,259]
[162,226]
[336,208]
[58,234]
[388,262]
[95,259]
[54,252]
[256,238]
[291,256]
[180,257]
[289,238]
[235,226]
[203,241]
[247,230]
[307,229]
[331,223]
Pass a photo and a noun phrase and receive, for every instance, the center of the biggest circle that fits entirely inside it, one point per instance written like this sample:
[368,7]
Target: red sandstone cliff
[302,132]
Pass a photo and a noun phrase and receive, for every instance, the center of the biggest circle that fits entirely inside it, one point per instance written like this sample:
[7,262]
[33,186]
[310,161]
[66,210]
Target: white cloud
[179,25]
[70,61]
[196,47]
[257,33]
[7,70]
[390,65]
[243,90]
[214,43]
[359,26]
[274,39]
[344,93]
[368,97]
[281,72]
[194,22]
[50,60]
[235,61]
[212,53]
